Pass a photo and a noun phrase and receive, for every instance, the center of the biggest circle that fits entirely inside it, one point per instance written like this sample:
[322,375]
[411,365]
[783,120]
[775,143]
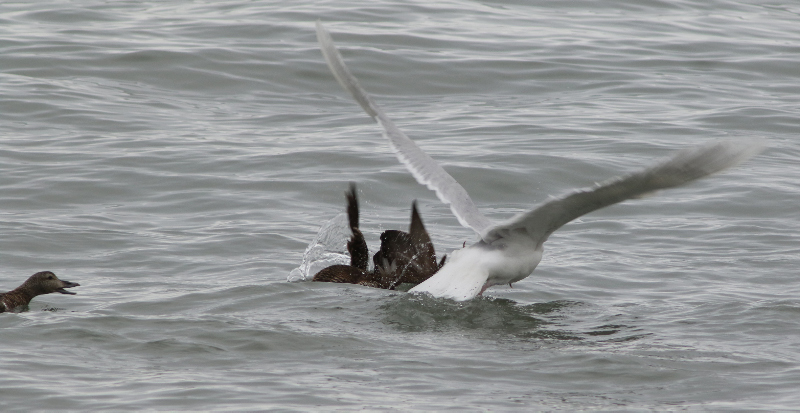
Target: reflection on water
[496,317]
[418,312]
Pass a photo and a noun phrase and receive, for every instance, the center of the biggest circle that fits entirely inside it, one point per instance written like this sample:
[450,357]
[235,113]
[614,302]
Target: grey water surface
[176,159]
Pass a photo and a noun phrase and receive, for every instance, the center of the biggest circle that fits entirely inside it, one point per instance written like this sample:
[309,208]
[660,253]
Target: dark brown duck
[44,282]
[404,257]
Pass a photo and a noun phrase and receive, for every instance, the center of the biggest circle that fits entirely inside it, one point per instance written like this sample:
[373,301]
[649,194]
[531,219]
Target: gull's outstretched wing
[685,166]
[422,166]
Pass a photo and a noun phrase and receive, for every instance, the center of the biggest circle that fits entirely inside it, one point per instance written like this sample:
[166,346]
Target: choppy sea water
[176,159]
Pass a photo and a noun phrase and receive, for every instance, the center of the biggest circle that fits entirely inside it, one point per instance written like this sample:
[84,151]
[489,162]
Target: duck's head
[46,282]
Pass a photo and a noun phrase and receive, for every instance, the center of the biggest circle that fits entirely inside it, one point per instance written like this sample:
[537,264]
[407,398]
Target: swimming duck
[44,282]
[404,257]
[508,252]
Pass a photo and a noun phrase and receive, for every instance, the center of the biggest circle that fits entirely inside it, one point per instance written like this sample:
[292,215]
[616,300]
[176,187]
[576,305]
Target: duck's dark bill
[67,284]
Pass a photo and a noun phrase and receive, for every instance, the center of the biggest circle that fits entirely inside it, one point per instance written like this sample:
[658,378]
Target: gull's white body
[471,270]
[509,252]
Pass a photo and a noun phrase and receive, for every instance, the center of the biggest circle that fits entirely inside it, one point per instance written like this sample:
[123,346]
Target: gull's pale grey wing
[685,166]
[426,171]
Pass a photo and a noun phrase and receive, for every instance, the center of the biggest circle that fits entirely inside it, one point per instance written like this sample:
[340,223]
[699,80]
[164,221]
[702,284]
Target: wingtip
[320,27]
[352,205]
[724,154]
[750,147]
[416,225]
[342,73]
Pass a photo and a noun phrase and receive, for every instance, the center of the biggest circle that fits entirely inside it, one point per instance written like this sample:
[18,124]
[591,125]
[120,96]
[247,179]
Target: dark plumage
[408,255]
[44,282]
[404,257]
[357,245]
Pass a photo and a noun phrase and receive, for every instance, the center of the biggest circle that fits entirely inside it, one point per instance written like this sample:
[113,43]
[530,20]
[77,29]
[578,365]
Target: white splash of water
[328,248]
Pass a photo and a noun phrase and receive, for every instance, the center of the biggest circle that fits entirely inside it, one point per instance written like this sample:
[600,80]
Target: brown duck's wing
[416,230]
[339,274]
[425,255]
[352,205]
[357,245]
[359,252]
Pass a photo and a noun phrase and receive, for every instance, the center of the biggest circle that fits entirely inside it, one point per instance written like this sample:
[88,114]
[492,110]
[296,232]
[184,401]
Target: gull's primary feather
[685,166]
[426,171]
